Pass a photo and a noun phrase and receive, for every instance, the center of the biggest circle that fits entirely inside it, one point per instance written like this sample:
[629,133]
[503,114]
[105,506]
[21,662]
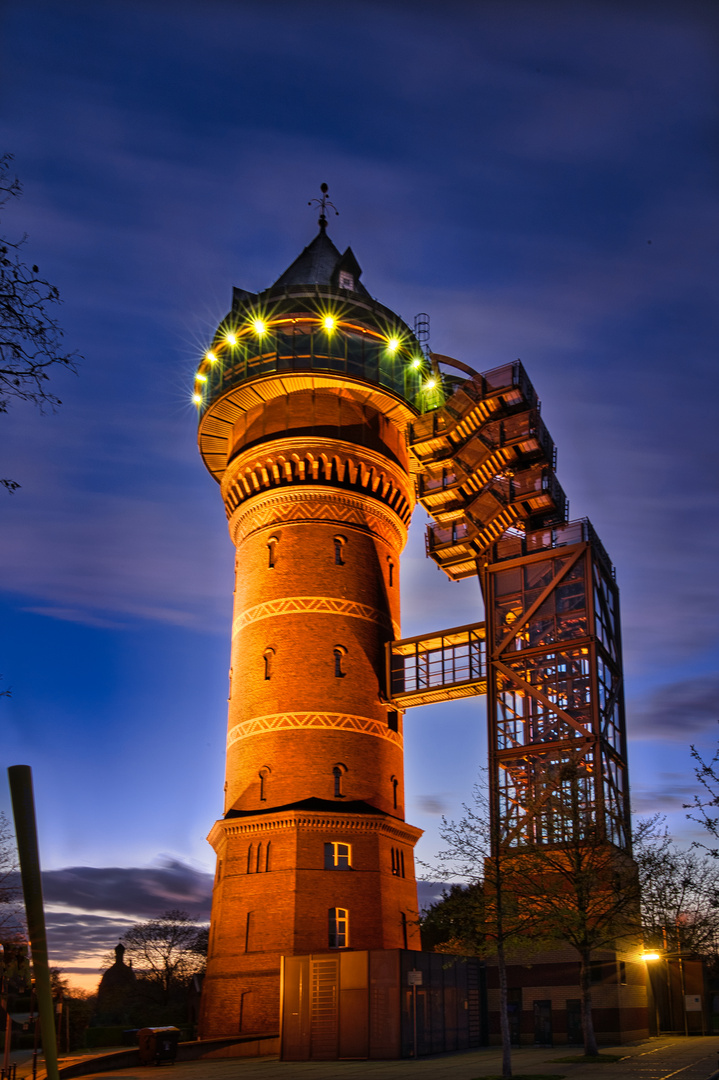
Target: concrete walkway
[656,1059]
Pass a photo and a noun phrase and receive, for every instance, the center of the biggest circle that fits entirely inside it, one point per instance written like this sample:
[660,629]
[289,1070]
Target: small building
[380,1004]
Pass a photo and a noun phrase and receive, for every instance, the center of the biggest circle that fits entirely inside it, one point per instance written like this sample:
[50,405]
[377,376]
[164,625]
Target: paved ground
[656,1059]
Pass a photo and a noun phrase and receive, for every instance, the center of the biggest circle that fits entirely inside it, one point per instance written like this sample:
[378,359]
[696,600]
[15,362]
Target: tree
[582,891]
[166,952]
[679,890]
[30,337]
[480,917]
[12,922]
[706,803]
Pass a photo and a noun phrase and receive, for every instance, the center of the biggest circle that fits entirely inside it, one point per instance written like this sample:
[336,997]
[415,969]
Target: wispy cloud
[678,712]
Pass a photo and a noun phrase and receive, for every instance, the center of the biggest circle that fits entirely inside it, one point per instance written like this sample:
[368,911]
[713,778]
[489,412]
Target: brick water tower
[304,399]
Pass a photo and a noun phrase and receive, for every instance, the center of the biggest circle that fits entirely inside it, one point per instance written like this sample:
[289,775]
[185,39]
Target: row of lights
[260,327]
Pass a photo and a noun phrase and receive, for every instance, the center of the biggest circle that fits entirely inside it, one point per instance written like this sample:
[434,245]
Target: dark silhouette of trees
[680,892]
[12,919]
[705,804]
[31,346]
[525,896]
[165,953]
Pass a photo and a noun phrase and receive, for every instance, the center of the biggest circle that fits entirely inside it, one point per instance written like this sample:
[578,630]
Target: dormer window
[347,280]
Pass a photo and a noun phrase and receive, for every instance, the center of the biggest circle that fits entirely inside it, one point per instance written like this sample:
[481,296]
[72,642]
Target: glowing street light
[199,377]
[259,327]
[197,398]
[231,339]
[393,344]
[329,322]
[417,362]
[431,384]
[210,356]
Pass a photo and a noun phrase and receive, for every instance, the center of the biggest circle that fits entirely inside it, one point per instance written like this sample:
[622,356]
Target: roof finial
[323,203]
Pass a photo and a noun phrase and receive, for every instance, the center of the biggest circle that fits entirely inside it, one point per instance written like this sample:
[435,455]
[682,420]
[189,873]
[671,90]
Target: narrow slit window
[337,775]
[390,572]
[267,855]
[339,653]
[395,784]
[339,542]
[259,858]
[264,775]
[272,551]
[250,859]
[404,930]
[268,657]
[338,936]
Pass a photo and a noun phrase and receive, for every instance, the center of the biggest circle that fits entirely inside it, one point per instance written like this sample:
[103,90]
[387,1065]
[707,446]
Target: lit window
[338,856]
[346,280]
[338,937]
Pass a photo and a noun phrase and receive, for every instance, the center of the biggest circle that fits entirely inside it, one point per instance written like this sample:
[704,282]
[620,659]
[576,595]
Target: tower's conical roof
[320,264]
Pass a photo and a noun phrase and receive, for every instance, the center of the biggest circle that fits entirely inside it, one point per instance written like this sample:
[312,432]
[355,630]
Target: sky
[539,176]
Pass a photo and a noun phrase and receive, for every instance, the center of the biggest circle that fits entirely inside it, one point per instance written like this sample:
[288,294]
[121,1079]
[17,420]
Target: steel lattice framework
[549,654]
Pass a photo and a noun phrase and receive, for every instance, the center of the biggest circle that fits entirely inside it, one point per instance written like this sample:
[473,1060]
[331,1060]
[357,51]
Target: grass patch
[524,1076]
[590,1059]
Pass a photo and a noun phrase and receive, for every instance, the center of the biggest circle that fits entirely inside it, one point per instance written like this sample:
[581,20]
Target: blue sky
[541,177]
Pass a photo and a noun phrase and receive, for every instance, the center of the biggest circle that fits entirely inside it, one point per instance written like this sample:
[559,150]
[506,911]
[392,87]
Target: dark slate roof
[320,264]
[324,806]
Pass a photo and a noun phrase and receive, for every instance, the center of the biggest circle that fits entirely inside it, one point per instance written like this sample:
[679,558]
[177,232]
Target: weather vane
[323,203]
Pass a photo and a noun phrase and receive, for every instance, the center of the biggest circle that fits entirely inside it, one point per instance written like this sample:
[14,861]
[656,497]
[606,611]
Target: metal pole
[414,1019]
[684,995]
[23,808]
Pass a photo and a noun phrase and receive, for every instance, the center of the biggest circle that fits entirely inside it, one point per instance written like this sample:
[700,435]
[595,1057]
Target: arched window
[339,542]
[264,775]
[259,864]
[338,774]
[267,855]
[272,550]
[338,928]
[250,859]
[395,783]
[339,653]
[268,656]
[390,572]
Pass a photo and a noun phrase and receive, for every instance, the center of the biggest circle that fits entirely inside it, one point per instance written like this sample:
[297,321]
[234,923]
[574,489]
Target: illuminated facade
[323,418]
[305,396]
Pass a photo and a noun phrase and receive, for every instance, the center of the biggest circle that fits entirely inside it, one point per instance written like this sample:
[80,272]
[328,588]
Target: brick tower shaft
[309,446]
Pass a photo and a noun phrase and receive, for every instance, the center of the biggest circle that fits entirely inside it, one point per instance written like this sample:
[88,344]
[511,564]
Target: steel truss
[557,740]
